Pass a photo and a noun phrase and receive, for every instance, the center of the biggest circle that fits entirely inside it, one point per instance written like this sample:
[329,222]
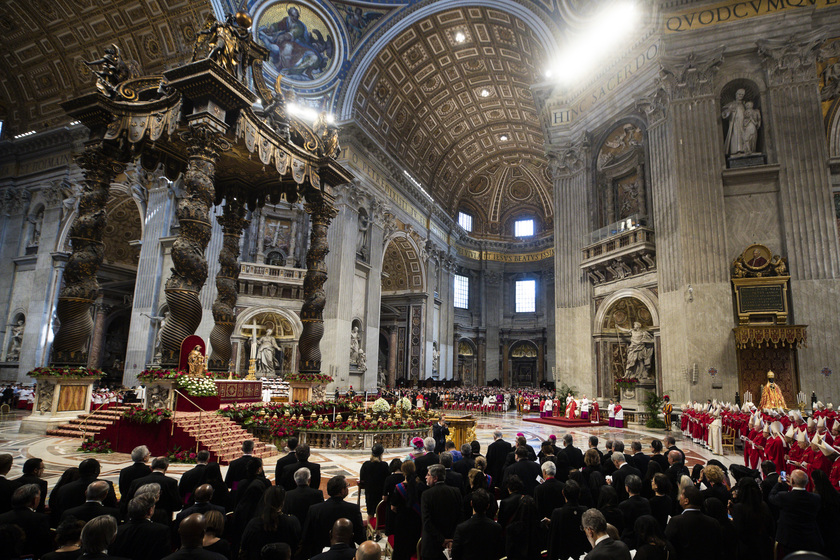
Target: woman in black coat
[651,540]
[406,503]
[270,526]
[372,475]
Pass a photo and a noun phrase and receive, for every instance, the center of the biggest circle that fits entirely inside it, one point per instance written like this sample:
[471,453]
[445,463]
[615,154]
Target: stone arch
[249,314]
[467,369]
[524,355]
[402,268]
[242,336]
[647,297]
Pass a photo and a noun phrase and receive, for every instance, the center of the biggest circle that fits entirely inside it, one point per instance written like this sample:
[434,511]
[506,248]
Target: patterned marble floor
[60,453]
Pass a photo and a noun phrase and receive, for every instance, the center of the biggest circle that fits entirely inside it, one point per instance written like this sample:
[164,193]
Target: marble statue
[364,227]
[435,357]
[266,360]
[771,394]
[197,362]
[17,339]
[355,345]
[639,353]
[361,361]
[734,112]
[112,71]
[752,122]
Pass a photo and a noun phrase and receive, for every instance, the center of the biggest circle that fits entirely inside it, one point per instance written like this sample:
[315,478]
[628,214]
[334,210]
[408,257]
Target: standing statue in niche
[752,122]
[355,345]
[37,222]
[639,353]
[17,340]
[266,359]
[364,227]
[734,112]
[435,357]
[361,361]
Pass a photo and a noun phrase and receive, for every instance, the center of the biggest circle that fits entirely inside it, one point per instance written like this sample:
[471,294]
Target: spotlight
[485,93]
[503,137]
[460,37]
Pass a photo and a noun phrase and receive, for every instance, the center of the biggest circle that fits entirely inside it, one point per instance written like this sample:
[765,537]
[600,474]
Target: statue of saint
[112,71]
[197,362]
[639,353]
[355,345]
[752,122]
[771,394]
[435,357]
[734,112]
[266,360]
[17,340]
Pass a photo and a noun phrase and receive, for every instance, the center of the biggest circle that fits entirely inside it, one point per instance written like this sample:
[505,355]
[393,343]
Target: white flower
[380,405]
[403,403]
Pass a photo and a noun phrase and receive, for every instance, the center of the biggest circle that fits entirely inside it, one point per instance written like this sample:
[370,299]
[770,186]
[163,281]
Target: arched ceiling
[44,44]
[452,111]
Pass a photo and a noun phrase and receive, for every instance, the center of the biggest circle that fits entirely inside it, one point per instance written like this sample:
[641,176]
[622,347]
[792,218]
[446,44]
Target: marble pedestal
[57,401]
[634,398]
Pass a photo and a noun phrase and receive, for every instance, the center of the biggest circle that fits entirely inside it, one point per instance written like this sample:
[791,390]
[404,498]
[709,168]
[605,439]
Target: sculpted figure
[17,339]
[197,362]
[112,72]
[355,345]
[771,394]
[752,122]
[639,353]
[266,360]
[734,112]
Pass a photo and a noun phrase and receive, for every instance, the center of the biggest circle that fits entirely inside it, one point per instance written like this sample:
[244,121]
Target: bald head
[342,531]
[96,491]
[203,493]
[799,478]
[674,457]
[368,550]
[191,531]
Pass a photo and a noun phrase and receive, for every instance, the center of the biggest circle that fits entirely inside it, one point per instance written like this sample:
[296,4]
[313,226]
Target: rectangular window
[462,292]
[523,228]
[526,296]
[465,221]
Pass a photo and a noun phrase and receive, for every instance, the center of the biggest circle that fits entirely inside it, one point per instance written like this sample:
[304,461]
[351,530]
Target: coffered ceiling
[449,98]
[43,44]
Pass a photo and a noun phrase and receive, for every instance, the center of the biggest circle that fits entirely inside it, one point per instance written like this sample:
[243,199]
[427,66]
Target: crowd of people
[202,516]
[17,395]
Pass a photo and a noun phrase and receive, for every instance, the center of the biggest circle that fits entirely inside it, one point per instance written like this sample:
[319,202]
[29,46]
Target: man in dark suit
[622,470]
[526,470]
[7,487]
[671,442]
[695,536]
[203,494]
[603,547]
[341,542]
[35,525]
[509,505]
[170,500]
[139,538]
[574,454]
[288,459]
[632,508]
[675,471]
[33,469]
[640,460]
[797,527]
[423,462]
[287,479]
[771,477]
[496,453]
[453,479]
[593,444]
[321,517]
[191,532]
[236,468]
[466,463]
[140,455]
[565,537]
[192,478]
[440,512]
[478,538]
[439,432]
[549,494]
[94,496]
[299,500]
[72,494]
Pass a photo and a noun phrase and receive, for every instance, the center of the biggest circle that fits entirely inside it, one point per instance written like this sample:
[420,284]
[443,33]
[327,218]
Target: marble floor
[60,453]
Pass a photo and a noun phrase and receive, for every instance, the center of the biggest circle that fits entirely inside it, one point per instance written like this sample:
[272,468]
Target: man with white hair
[138,469]
[496,454]
[549,494]
[297,501]
[423,463]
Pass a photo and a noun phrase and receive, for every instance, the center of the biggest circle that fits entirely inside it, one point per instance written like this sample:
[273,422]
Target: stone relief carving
[654,106]
[691,76]
[46,391]
[37,222]
[157,396]
[570,159]
[792,59]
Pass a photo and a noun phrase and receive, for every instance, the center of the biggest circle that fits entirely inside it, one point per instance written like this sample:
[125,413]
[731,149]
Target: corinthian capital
[690,76]
[204,141]
[570,158]
[792,59]
[654,106]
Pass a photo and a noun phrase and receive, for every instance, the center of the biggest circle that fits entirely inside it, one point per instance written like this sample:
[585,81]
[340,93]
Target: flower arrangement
[178,455]
[403,404]
[380,406]
[148,375]
[321,378]
[198,386]
[626,382]
[142,415]
[90,445]
[73,373]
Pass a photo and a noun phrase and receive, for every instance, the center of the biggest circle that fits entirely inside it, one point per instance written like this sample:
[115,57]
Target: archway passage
[523,356]
[467,362]
[265,343]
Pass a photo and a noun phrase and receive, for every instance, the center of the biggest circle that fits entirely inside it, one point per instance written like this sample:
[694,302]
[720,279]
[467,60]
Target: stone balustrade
[628,253]
[271,281]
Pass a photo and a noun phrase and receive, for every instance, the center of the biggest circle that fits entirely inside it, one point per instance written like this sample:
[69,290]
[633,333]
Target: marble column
[189,272]
[481,361]
[805,198]
[392,356]
[97,341]
[100,166]
[373,305]
[505,363]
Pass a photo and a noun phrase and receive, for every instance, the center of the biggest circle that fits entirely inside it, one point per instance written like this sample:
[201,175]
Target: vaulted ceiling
[460,115]
[44,44]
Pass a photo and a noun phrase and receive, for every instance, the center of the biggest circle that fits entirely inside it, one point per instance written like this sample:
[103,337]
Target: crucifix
[252,363]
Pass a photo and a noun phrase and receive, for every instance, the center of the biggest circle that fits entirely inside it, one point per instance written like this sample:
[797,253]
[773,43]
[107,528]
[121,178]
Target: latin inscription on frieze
[757,299]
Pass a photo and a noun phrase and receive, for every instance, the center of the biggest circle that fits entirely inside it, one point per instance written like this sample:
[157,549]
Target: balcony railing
[623,254]
[271,281]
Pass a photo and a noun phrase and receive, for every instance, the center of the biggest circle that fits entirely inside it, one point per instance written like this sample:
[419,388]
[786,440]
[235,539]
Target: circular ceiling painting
[301,42]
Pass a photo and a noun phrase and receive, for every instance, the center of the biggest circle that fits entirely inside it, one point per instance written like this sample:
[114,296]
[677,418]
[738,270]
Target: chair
[5,411]
[417,554]
[377,522]
[361,486]
[728,439]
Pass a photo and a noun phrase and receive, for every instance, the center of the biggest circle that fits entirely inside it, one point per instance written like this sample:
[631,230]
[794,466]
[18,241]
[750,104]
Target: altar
[238,391]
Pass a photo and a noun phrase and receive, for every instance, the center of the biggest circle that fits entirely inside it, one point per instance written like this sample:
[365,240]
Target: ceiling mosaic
[44,44]
[449,98]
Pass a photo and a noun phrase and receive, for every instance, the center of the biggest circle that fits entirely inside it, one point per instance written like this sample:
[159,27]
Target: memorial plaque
[761,299]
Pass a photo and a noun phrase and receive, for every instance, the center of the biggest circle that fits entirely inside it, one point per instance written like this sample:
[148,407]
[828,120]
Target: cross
[254,331]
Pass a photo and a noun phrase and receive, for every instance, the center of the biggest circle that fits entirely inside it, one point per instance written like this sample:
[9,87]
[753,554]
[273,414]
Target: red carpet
[564,422]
